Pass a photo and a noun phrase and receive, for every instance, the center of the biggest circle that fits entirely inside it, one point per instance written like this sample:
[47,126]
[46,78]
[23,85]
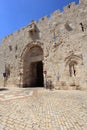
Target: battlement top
[57,13]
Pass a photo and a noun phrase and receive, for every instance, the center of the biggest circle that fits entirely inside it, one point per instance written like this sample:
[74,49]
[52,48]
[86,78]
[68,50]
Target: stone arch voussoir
[29,46]
[25,51]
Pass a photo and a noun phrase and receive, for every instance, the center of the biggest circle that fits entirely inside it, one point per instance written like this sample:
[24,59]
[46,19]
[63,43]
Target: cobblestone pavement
[40,109]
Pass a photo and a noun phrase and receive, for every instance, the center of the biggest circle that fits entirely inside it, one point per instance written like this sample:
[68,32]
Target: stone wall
[63,39]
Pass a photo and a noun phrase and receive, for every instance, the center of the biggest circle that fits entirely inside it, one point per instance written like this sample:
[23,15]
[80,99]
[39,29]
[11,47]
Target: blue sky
[14,14]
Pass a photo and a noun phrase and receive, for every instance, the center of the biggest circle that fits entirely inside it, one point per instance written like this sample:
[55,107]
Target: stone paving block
[55,110]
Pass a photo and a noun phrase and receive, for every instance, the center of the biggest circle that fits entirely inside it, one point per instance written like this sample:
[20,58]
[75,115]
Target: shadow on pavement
[3,89]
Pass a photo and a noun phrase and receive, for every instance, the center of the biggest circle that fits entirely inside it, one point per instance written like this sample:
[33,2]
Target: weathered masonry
[50,52]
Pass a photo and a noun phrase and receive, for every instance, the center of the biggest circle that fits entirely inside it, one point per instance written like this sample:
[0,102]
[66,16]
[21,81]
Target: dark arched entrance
[33,67]
[37,74]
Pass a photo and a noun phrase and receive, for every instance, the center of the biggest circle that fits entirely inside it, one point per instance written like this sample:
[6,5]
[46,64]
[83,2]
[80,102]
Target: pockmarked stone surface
[43,110]
[50,52]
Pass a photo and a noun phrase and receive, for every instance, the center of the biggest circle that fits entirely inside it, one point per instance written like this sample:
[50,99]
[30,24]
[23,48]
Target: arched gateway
[33,67]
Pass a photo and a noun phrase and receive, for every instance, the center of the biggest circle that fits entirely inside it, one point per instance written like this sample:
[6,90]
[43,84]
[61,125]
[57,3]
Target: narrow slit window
[10,47]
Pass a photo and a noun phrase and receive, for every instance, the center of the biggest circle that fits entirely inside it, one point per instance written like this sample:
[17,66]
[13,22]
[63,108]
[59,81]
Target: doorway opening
[37,74]
[33,67]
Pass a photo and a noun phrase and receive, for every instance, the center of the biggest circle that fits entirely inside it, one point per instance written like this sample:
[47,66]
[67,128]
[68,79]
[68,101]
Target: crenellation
[70,7]
[67,8]
[56,13]
[43,20]
[73,5]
